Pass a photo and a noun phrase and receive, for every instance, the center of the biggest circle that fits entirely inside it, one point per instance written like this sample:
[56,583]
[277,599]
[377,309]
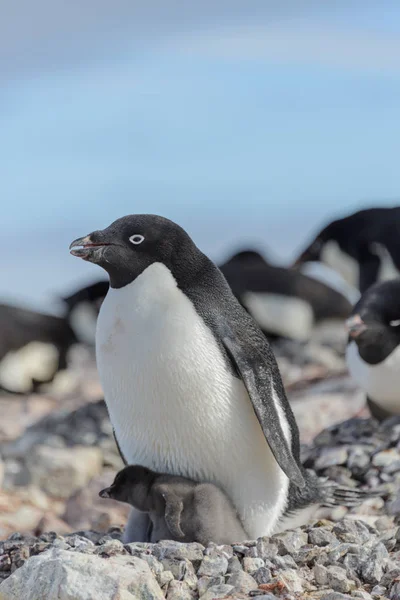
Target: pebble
[289,542]
[352,531]
[242,582]
[321,536]
[179,590]
[372,570]
[213,565]
[251,565]
[218,591]
[204,583]
[331,456]
[262,575]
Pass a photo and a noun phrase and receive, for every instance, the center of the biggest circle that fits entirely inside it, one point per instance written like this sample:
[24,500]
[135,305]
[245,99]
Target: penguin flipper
[254,372]
[173,511]
[119,449]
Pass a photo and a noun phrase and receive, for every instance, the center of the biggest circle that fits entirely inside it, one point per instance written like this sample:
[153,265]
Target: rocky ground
[57,452]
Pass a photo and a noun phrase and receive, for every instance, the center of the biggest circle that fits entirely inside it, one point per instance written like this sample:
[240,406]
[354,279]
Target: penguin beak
[106,493]
[88,247]
[355,326]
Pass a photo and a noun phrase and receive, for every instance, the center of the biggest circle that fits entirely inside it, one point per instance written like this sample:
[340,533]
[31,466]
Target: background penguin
[83,308]
[284,302]
[373,350]
[191,384]
[33,348]
[364,246]
[179,508]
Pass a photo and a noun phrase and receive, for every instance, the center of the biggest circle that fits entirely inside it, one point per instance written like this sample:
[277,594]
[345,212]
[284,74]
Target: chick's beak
[105,493]
[355,326]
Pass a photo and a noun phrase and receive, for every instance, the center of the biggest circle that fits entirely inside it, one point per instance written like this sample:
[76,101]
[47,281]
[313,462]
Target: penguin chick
[180,509]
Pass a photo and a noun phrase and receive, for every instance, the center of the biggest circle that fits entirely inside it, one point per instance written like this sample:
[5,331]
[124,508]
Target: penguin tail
[333,494]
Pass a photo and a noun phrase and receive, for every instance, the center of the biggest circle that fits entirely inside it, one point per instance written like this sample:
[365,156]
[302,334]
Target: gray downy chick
[180,509]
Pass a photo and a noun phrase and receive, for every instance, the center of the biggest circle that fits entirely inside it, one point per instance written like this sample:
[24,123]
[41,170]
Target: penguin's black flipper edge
[256,377]
[119,448]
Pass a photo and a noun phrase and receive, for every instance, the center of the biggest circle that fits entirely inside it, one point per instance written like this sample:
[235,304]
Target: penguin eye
[136,239]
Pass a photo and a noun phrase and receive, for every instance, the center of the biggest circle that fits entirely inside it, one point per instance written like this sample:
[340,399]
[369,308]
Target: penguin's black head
[125,480]
[131,244]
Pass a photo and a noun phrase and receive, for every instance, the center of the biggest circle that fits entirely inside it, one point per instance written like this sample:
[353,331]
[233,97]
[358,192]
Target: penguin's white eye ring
[136,239]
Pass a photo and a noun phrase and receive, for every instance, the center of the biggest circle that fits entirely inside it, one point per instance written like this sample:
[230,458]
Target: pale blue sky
[245,122]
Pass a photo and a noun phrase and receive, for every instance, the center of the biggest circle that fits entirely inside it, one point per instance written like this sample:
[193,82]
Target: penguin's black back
[20,326]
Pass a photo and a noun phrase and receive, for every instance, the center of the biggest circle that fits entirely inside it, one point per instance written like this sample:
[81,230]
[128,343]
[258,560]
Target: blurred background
[249,123]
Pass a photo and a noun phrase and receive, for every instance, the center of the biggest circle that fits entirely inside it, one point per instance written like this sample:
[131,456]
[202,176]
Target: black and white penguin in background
[363,247]
[33,348]
[373,350]
[83,308]
[190,382]
[284,302]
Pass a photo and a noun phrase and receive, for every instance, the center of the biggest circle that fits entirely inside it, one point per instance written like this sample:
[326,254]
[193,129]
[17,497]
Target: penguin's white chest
[381,382]
[175,405]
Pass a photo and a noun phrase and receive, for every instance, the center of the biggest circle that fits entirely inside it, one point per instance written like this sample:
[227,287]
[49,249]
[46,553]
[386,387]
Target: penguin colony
[187,371]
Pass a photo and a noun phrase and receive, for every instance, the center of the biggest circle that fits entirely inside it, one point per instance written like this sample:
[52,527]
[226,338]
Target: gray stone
[394,591]
[330,457]
[164,578]
[262,575]
[251,565]
[384,523]
[204,583]
[189,575]
[372,570]
[179,551]
[385,458]
[285,562]
[358,460]
[81,577]
[217,591]
[321,536]
[242,582]
[378,591]
[110,548]
[321,574]
[361,594]
[293,582]
[155,566]
[179,590]
[266,550]
[352,531]
[290,541]
[213,565]
[336,596]
[354,562]
[241,549]
[234,565]
[391,574]
[177,567]
[338,581]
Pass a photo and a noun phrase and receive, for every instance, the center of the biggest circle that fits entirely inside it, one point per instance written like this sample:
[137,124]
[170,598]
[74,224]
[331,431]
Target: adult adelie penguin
[284,302]
[190,382]
[363,247]
[373,351]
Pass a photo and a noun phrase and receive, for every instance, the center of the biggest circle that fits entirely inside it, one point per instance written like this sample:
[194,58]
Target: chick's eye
[136,239]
